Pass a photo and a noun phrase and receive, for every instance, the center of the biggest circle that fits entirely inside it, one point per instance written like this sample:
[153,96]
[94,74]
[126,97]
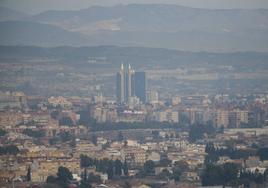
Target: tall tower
[140,86]
[120,83]
[129,84]
[124,84]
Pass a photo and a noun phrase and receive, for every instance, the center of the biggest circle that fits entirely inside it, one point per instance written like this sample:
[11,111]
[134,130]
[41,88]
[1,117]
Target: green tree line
[110,167]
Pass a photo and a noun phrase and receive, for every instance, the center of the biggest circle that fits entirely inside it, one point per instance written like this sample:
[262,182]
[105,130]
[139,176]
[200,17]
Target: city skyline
[188,107]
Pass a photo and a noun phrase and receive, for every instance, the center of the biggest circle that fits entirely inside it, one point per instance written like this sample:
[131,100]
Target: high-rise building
[221,118]
[167,116]
[124,84]
[152,97]
[237,117]
[140,86]
[129,84]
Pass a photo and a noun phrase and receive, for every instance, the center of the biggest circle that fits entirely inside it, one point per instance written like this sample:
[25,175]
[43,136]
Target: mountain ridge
[11,14]
[156,25]
[134,55]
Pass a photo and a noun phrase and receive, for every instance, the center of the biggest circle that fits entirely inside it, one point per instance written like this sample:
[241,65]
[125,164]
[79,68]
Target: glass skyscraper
[129,84]
[140,86]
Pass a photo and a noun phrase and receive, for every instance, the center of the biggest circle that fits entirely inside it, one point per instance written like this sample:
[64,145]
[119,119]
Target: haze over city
[134,93]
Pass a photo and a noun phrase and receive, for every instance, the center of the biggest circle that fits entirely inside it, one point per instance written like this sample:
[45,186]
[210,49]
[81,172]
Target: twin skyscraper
[130,84]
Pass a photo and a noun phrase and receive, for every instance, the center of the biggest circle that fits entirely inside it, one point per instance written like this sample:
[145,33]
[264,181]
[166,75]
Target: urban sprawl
[134,140]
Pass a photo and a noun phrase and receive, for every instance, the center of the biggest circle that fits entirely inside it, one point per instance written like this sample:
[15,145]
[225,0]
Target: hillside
[145,25]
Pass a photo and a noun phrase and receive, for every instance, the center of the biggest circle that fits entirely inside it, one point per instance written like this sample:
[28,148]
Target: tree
[2,132]
[197,131]
[221,130]
[148,167]
[92,178]
[73,143]
[167,136]
[212,175]
[244,179]
[210,148]
[178,169]
[176,174]
[266,174]
[55,114]
[87,179]
[66,121]
[125,168]
[226,174]
[64,176]
[103,165]
[34,134]
[184,119]
[127,185]
[65,136]
[118,167]
[12,150]
[94,139]
[84,175]
[263,153]
[84,184]
[110,170]
[85,118]
[52,179]
[230,172]
[247,178]
[85,161]
[120,136]
[164,162]
[165,174]
[181,166]
[155,134]
[28,176]
[211,158]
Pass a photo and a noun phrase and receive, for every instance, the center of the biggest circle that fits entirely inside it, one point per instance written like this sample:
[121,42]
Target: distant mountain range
[10,14]
[34,33]
[139,57]
[150,25]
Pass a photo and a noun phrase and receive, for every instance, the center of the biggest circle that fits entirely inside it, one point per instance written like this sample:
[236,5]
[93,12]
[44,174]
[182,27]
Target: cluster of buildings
[244,119]
[45,159]
[12,100]
[136,103]
[227,114]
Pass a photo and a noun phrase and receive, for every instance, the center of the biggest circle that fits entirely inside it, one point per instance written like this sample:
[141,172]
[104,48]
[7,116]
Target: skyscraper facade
[140,86]
[124,84]
[130,84]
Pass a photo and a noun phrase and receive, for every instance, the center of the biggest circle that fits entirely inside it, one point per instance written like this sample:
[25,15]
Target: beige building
[134,156]
[168,116]
[59,101]
[99,113]
[237,117]
[42,169]
[221,118]
[10,119]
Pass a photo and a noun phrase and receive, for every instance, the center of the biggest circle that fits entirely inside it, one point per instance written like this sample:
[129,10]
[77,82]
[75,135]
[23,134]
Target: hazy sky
[36,6]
